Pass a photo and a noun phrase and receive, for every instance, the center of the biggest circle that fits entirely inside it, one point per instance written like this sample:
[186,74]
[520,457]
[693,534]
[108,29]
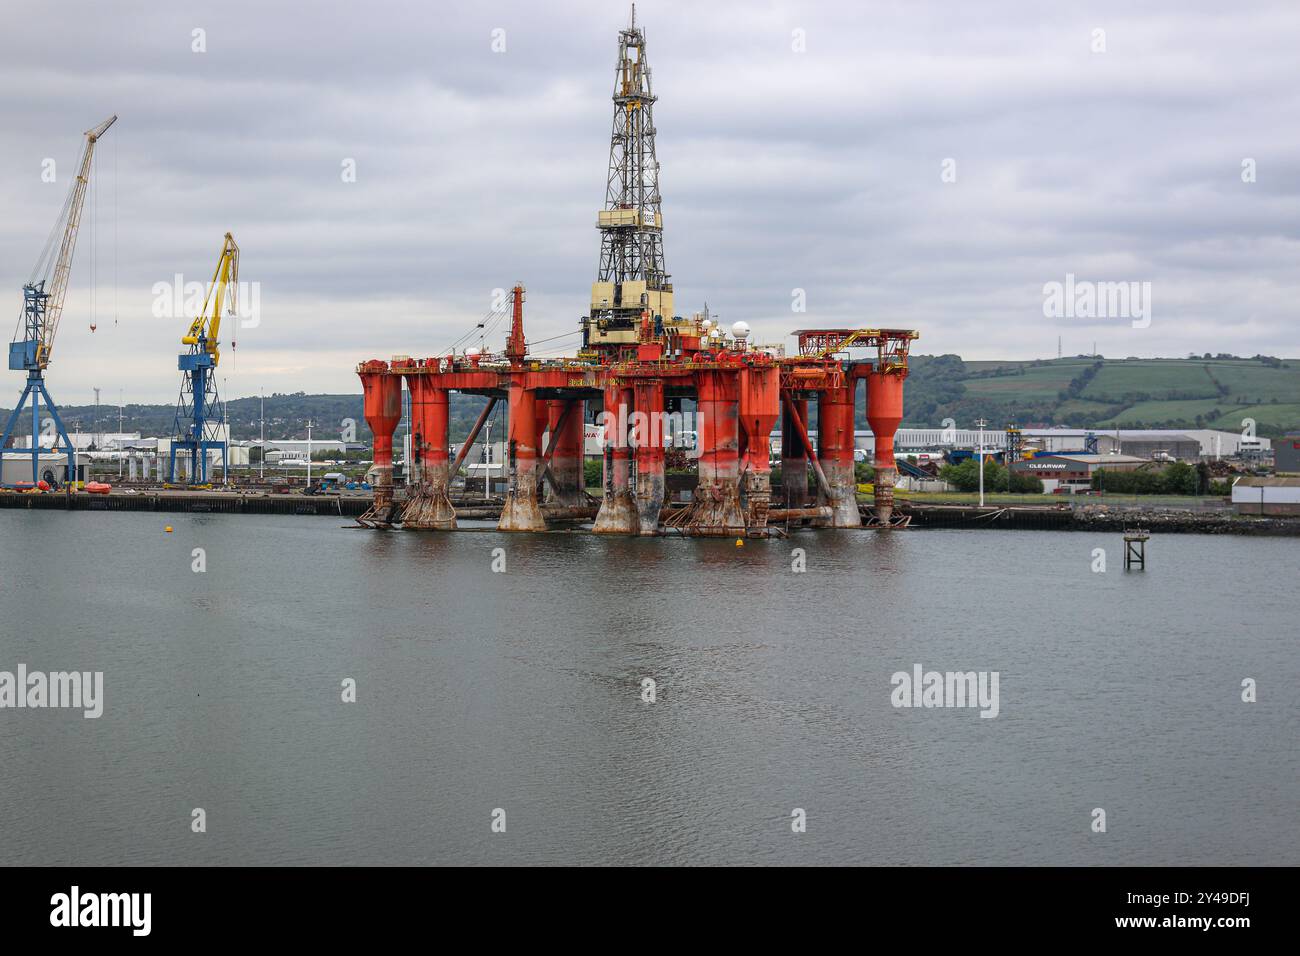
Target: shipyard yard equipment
[200,416]
[638,362]
[42,308]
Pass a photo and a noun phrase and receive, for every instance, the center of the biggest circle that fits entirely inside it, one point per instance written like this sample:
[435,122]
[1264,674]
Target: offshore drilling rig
[638,361]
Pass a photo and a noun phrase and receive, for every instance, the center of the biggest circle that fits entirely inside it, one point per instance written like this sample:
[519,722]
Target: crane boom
[206,327]
[45,305]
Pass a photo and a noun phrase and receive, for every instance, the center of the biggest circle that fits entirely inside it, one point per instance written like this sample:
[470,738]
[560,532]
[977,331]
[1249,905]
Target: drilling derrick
[632,284]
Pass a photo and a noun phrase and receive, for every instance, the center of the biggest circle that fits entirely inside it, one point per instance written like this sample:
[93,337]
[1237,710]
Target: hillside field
[1083,391]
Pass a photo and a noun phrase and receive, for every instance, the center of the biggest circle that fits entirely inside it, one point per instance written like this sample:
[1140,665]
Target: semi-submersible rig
[638,361]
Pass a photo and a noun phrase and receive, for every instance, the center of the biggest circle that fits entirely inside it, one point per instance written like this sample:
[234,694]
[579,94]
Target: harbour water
[522,690]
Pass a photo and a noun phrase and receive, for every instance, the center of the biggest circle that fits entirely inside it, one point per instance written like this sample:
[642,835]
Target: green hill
[1083,391]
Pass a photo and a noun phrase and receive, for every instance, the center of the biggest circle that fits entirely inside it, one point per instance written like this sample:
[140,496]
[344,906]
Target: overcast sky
[819,169]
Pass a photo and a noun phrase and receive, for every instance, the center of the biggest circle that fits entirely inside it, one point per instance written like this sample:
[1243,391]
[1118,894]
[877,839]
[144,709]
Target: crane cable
[94,238]
[115,232]
[480,325]
[496,313]
[489,329]
[564,335]
[45,262]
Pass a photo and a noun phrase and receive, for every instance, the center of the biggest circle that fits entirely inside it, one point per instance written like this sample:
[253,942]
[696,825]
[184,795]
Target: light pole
[121,452]
[261,459]
[309,452]
[980,424]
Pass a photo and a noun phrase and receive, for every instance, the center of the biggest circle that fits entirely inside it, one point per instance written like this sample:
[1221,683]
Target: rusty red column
[429,507]
[618,514]
[566,449]
[715,508]
[648,453]
[383,410]
[520,512]
[835,451]
[794,457]
[884,412]
[760,403]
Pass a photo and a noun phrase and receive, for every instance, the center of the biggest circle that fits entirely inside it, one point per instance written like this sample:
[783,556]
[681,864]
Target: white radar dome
[740,330]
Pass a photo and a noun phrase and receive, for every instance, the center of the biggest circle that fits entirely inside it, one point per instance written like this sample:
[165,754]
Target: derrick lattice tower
[632,283]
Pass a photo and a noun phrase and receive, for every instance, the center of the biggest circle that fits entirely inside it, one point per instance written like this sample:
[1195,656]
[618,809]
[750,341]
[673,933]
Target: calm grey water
[521,691]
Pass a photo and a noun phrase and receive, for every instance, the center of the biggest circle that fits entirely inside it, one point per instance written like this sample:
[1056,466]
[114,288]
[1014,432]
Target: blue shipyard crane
[38,323]
[200,416]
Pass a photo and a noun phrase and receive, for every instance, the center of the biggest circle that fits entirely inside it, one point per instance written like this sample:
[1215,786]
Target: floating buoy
[740,542]
[168,529]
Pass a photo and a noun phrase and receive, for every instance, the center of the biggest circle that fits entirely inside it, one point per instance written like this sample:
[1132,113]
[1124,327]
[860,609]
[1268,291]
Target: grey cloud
[781,170]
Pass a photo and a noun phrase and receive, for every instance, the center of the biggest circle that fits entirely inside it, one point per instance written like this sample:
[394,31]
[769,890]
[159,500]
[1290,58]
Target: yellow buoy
[168,529]
[740,542]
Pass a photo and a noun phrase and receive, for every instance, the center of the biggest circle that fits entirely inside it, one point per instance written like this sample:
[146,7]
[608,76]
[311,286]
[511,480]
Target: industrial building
[1073,473]
[1267,496]
[1216,444]
[1286,454]
[300,447]
[139,448]
[639,360]
[16,468]
[82,441]
[1152,444]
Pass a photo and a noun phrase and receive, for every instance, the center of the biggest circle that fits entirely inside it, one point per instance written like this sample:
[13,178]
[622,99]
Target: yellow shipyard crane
[38,323]
[200,416]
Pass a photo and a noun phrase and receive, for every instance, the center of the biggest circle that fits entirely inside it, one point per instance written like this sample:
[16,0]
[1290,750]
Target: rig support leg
[565,423]
[430,507]
[835,450]
[648,441]
[618,514]
[520,512]
[715,508]
[760,403]
[884,412]
[383,410]
[794,460]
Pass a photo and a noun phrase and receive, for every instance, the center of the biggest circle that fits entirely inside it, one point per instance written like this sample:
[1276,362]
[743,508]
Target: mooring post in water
[1135,549]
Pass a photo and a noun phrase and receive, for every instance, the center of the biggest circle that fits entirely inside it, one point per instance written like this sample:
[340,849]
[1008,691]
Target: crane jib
[43,297]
